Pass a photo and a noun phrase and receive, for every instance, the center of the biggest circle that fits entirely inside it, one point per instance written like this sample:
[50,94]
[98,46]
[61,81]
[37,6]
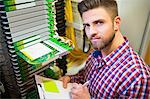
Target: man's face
[99,27]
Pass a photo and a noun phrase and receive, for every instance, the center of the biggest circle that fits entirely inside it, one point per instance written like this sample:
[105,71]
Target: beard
[103,44]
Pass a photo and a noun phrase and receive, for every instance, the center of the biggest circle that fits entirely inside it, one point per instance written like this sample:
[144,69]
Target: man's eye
[99,22]
[86,26]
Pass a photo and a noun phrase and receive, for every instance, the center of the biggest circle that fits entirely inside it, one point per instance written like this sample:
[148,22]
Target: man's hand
[65,80]
[79,91]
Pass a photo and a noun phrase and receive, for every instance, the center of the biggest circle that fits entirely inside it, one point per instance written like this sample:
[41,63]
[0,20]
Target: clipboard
[51,89]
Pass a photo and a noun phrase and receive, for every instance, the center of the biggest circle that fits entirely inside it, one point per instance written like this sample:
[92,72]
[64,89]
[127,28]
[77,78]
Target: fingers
[74,91]
[64,83]
[76,88]
[74,96]
[79,91]
[61,79]
[65,80]
[75,85]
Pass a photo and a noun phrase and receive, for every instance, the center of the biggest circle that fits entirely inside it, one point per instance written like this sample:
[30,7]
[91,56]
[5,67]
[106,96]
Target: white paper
[63,93]
[35,51]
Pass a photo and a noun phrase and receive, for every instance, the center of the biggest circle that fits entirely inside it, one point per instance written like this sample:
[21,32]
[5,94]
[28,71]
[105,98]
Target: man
[113,69]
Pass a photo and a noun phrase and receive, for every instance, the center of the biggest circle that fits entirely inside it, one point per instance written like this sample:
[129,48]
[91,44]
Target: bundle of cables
[77,53]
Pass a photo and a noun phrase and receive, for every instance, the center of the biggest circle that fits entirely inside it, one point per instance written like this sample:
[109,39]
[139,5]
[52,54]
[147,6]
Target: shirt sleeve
[140,90]
[80,77]
[136,84]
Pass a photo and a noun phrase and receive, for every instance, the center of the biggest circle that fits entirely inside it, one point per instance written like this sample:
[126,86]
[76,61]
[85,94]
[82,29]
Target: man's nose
[93,30]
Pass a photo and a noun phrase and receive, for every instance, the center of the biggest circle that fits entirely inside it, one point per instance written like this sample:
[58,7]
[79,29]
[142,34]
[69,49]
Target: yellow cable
[77,53]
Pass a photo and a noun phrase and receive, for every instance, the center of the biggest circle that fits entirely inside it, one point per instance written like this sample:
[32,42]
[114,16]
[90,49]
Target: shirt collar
[109,59]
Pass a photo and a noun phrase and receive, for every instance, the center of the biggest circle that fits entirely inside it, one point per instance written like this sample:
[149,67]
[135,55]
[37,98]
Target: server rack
[25,23]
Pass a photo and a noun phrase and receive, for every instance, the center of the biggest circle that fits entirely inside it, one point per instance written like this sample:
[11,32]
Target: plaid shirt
[121,74]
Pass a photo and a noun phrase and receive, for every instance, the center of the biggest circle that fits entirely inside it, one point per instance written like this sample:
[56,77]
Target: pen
[86,83]
[43,93]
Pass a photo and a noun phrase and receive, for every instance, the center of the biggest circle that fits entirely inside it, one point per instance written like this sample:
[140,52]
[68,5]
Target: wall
[134,14]
[145,47]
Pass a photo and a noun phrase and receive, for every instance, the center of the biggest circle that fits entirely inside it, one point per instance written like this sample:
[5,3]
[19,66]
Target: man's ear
[117,21]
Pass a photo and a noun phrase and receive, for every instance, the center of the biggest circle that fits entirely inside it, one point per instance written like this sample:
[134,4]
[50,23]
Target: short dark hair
[109,5]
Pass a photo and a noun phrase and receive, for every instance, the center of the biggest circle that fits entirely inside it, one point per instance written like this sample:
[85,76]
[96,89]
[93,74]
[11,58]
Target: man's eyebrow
[85,24]
[98,20]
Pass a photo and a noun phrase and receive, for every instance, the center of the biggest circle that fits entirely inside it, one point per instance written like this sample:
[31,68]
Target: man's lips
[95,38]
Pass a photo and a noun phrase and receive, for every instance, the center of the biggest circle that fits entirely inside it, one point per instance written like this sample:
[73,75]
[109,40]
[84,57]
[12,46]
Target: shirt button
[103,63]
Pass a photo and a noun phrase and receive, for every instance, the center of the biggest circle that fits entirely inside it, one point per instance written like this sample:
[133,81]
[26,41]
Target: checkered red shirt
[121,74]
